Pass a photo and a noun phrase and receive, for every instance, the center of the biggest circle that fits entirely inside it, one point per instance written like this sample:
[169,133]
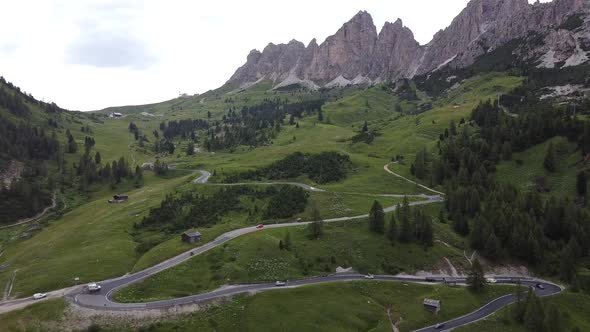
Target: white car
[93,287]
[38,296]
[369,276]
[491,280]
[280,283]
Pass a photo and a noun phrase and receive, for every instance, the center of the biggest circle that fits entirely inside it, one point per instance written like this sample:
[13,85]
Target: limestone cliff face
[357,54]
[487,24]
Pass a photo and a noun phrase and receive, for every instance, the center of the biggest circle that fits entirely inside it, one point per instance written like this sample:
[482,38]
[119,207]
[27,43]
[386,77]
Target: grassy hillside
[526,170]
[93,230]
[256,257]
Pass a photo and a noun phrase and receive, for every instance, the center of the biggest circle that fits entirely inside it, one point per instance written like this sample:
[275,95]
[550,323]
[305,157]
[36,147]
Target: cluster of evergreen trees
[500,220]
[23,142]
[183,128]
[28,195]
[257,124]
[178,212]
[285,202]
[13,102]
[323,167]
[137,134]
[535,315]
[16,105]
[92,170]
[414,224]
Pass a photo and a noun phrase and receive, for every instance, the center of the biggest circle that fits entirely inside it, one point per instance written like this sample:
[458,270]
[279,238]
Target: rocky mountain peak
[357,54]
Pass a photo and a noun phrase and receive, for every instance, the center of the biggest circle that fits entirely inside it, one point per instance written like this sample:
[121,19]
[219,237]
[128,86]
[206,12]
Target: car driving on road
[280,283]
[540,286]
[93,287]
[369,276]
[38,296]
[260,226]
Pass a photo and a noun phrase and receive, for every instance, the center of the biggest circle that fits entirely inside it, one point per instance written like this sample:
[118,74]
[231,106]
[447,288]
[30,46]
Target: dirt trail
[454,272]
[386,168]
[393,327]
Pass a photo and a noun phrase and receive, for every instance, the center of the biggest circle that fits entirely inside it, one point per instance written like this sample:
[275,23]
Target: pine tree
[476,279]
[190,149]
[506,150]
[453,128]
[138,177]
[549,161]
[317,225]
[553,321]
[569,256]
[405,232]
[441,217]
[581,184]
[493,247]
[287,242]
[377,218]
[533,315]
[365,127]
[97,158]
[519,307]
[392,229]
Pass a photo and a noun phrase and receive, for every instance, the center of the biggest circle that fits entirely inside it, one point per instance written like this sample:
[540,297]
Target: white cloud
[93,54]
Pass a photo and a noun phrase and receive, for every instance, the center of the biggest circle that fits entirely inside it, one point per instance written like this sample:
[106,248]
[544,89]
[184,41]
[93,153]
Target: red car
[259,225]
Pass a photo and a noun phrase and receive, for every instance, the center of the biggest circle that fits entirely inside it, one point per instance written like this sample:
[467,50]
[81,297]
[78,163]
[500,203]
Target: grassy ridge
[256,257]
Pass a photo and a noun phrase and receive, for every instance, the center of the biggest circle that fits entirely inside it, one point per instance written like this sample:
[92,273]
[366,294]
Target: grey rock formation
[356,54]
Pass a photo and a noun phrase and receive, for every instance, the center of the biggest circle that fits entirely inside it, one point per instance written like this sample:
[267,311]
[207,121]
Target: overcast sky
[88,55]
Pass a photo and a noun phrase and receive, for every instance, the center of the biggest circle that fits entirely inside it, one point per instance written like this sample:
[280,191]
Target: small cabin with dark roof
[191,236]
[119,198]
[432,305]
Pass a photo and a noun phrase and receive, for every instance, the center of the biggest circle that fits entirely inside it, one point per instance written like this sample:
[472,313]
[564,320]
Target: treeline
[406,225]
[26,196]
[183,128]
[93,170]
[14,103]
[178,212]
[17,106]
[500,220]
[256,125]
[322,168]
[24,142]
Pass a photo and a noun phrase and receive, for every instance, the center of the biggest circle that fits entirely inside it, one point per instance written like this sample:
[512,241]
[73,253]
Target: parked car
[540,286]
[369,276]
[280,283]
[38,296]
[260,226]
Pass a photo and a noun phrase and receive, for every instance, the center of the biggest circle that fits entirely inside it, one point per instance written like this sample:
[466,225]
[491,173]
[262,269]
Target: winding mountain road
[102,300]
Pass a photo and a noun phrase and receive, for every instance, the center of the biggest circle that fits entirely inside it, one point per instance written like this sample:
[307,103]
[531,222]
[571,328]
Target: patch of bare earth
[78,318]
